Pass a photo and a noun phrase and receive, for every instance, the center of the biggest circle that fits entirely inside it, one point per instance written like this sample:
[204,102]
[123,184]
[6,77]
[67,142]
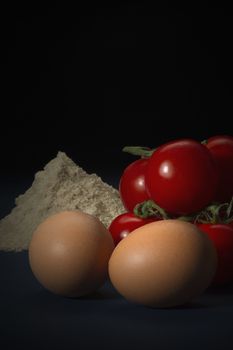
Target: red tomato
[221,148]
[132,184]
[181,177]
[125,223]
[222,238]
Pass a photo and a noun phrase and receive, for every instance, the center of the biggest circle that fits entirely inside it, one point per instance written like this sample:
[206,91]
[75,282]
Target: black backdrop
[91,79]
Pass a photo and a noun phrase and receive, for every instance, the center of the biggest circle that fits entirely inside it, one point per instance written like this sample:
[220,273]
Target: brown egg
[163,264]
[69,253]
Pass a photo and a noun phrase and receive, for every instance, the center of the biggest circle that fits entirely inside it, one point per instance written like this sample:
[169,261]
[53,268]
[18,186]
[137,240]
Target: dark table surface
[33,318]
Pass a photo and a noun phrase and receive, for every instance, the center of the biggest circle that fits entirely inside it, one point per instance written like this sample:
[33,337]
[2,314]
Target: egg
[163,264]
[69,253]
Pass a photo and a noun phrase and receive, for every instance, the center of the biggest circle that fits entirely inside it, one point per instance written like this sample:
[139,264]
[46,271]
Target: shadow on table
[101,295]
[220,290]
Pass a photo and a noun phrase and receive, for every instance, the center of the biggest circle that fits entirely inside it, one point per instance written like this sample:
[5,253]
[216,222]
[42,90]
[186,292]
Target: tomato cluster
[182,179]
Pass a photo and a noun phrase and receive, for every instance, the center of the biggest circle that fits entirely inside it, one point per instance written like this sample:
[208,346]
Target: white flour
[62,185]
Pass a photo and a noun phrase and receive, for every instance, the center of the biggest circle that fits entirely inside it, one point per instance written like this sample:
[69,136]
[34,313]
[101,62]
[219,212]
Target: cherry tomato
[132,184]
[125,223]
[222,237]
[181,177]
[221,148]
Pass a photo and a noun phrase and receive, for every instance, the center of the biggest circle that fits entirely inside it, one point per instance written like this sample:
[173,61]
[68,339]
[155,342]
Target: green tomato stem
[141,151]
[204,142]
[149,209]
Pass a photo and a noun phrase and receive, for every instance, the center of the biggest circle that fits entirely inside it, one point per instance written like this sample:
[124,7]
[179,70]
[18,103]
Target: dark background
[91,79]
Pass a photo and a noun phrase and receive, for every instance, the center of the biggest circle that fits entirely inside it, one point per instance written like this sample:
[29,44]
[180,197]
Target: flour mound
[62,185]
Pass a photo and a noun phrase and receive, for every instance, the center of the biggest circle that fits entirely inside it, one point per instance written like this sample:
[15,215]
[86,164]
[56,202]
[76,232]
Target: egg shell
[69,253]
[163,264]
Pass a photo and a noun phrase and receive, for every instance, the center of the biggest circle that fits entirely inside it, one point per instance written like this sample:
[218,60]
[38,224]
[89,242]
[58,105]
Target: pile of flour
[62,185]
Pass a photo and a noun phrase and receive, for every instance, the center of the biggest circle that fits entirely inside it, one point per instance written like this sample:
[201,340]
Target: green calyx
[149,209]
[204,142]
[144,152]
[215,213]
